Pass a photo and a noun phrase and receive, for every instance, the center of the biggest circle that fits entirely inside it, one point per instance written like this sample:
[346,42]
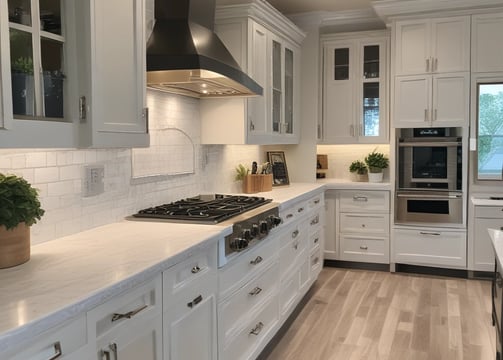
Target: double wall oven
[429,187]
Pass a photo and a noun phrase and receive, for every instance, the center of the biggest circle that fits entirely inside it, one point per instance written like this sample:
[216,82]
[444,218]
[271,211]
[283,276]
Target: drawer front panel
[363,201]
[316,201]
[246,299]
[247,265]
[316,239]
[289,292]
[315,263]
[493,212]
[294,245]
[364,223]
[364,248]
[294,212]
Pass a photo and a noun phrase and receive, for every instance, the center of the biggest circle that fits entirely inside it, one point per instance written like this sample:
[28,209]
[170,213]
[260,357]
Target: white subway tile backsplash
[38,159]
[61,188]
[18,161]
[70,172]
[46,174]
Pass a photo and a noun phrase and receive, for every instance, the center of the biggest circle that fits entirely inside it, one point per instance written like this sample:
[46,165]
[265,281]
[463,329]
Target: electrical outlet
[93,180]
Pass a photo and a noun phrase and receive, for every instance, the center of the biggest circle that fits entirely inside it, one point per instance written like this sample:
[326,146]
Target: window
[36,59]
[490,131]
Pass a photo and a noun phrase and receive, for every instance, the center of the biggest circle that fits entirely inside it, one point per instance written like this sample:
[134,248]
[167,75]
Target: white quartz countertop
[497,241]
[345,184]
[69,276]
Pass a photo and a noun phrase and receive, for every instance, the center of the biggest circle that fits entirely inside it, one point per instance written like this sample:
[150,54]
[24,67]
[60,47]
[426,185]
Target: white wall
[58,174]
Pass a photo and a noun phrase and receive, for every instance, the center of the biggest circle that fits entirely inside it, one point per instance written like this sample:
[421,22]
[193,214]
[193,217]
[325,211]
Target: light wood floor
[359,314]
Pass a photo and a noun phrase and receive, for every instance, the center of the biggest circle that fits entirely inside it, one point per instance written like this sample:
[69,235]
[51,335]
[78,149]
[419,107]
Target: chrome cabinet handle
[57,351]
[351,130]
[128,315]
[429,233]
[113,347]
[296,245]
[316,202]
[426,115]
[295,234]
[257,260]
[435,66]
[364,247]
[255,291]
[315,220]
[195,269]
[316,260]
[289,216]
[301,209]
[106,353]
[435,115]
[257,329]
[194,302]
[316,240]
[360,198]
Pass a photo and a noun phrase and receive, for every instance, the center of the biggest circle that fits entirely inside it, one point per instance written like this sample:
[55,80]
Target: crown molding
[389,9]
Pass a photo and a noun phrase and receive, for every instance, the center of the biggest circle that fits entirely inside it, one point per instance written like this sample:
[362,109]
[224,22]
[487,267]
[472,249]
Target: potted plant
[20,209]
[376,162]
[359,169]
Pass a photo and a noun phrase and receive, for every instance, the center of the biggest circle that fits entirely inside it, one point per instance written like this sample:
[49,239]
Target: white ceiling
[300,6]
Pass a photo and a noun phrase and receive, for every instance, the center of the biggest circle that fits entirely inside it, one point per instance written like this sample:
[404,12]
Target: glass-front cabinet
[354,88]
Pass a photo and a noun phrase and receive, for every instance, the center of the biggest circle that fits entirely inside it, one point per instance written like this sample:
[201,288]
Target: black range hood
[186,57]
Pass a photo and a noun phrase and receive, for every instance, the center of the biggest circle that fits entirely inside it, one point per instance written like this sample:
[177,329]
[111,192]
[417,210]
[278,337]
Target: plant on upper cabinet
[359,169]
[376,162]
[20,209]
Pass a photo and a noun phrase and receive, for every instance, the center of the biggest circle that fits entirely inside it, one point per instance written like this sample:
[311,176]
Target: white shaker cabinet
[129,326]
[331,246]
[437,45]
[111,58]
[432,100]
[480,249]
[487,47]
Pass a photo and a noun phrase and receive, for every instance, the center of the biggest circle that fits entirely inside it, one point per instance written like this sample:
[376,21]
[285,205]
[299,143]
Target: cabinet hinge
[144,115]
[82,109]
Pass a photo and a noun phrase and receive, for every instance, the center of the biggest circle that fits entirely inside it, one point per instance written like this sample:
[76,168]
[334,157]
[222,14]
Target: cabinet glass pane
[288,91]
[276,85]
[23,85]
[490,131]
[20,12]
[371,61]
[371,109]
[50,16]
[341,63]
[53,78]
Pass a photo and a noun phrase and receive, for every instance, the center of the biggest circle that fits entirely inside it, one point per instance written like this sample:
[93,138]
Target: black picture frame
[279,169]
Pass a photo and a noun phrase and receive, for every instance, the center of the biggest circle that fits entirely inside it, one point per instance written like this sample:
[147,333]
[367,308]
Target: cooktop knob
[276,220]
[247,235]
[238,244]
[254,230]
[264,227]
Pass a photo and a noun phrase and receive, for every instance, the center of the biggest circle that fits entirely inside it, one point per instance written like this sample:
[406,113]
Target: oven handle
[429,196]
[430,144]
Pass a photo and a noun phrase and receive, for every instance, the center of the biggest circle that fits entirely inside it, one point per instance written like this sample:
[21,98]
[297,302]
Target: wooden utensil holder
[257,183]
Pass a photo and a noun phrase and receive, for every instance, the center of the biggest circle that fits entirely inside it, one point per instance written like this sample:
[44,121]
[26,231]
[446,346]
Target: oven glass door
[429,208]
[429,162]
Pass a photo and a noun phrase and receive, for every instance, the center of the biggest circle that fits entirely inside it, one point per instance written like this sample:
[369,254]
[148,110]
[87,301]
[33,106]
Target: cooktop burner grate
[204,208]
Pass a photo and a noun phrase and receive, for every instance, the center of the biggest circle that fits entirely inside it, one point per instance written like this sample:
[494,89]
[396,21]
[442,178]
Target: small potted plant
[376,162]
[20,209]
[359,169]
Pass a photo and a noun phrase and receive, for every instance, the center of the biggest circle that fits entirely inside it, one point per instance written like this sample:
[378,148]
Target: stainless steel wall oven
[430,177]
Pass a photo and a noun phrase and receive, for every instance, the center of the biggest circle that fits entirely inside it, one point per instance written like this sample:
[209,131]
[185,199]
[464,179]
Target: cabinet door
[487,47]
[115,93]
[331,244]
[483,253]
[450,44]
[412,41]
[412,101]
[338,95]
[450,105]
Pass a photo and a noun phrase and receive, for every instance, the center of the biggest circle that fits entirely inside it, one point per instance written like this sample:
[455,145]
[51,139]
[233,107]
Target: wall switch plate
[93,180]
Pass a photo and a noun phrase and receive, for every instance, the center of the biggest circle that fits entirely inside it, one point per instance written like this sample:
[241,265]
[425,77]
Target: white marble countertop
[345,184]
[497,241]
[69,276]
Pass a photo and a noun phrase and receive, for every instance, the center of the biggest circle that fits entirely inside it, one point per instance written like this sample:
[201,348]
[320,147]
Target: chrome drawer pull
[315,220]
[296,245]
[295,234]
[316,260]
[360,198]
[128,315]
[289,216]
[316,240]
[57,350]
[257,329]
[194,302]
[255,291]
[106,353]
[195,269]
[317,201]
[257,260]
[429,233]
[113,347]
[300,209]
[364,247]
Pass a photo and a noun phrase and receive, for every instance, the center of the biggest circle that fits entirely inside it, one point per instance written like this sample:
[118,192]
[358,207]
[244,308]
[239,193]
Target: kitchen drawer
[254,333]
[364,248]
[430,247]
[246,299]
[316,202]
[376,224]
[289,293]
[492,212]
[316,239]
[363,201]
[247,265]
[66,339]
[294,212]
[125,310]
[293,246]
[195,267]
[315,263]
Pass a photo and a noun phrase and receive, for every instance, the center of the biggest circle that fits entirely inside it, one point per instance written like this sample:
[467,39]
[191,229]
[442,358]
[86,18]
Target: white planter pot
[375,177]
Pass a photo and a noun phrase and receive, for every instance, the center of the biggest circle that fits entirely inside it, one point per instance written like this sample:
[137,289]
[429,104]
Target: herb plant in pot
[20,209]
[376,162]
[359,169]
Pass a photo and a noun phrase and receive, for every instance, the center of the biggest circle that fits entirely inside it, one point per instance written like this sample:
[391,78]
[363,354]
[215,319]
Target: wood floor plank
[367,315]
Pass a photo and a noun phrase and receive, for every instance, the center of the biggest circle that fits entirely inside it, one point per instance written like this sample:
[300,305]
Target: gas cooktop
[205,209]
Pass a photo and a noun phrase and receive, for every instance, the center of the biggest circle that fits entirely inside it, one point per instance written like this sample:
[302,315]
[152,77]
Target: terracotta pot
[14,245]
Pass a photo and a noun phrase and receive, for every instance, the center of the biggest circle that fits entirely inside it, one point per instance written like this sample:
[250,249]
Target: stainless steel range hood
[186,57]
